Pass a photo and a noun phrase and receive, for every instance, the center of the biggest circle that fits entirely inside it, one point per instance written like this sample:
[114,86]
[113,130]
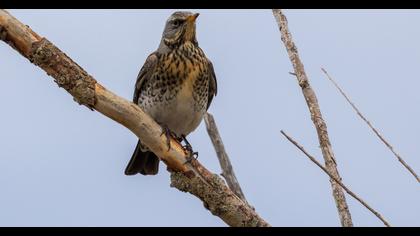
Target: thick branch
[316,117]
[336,180]
[227,169]
[371,126]
[193,178]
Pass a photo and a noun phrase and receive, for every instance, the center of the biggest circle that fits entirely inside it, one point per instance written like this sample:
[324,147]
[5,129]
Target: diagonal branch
[316,117]
[371,126]
[193,178]
[227,169]
[336,180]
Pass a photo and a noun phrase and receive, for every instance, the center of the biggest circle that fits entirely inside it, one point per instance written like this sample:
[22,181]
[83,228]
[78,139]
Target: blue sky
[62,164]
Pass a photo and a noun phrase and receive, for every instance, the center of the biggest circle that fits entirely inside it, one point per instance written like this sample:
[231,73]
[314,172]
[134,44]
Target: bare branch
[336,180]
[193,177]
[227,169]
[316,117]
[371,126]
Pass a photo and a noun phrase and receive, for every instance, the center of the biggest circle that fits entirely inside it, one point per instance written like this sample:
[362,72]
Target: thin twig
[227,169]
[336,180]
[371,126]
[316,116]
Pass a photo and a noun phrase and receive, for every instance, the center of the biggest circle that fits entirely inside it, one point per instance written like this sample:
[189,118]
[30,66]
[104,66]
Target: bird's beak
[190,29]
[192,18]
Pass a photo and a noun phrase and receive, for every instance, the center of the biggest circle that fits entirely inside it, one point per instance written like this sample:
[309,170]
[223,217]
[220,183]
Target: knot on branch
[66,73]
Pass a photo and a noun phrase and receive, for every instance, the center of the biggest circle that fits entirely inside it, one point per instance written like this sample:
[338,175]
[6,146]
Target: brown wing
[212,85]
[143,162]
[145,74]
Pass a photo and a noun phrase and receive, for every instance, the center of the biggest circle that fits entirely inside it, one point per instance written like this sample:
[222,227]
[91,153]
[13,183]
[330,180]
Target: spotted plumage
[175,86]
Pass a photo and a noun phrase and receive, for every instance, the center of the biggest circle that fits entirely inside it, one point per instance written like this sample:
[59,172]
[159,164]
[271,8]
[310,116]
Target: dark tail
[145,163]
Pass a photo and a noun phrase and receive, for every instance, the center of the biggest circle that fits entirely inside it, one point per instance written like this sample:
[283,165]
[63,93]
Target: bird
[175,86]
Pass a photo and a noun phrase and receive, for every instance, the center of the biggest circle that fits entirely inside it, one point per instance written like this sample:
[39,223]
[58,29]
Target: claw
[191,157]
[195,155]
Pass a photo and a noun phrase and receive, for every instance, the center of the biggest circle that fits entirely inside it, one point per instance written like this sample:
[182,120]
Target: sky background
[63,165]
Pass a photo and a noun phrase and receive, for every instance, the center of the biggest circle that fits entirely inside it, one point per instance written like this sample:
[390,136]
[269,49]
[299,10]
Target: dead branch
[336,180]
[316,117]
[193,178]
[227,170]
[371,126]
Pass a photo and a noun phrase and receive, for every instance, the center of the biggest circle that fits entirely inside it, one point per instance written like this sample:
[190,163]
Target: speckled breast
[177,93]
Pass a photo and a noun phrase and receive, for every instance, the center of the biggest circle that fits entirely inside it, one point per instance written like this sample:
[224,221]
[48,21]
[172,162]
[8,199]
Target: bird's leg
[188,147]
[168,133]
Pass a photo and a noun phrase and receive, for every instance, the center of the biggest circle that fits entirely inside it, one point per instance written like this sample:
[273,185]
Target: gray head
[180,28]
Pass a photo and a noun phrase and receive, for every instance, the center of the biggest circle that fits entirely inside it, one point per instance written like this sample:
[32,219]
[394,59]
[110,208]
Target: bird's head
[180,28]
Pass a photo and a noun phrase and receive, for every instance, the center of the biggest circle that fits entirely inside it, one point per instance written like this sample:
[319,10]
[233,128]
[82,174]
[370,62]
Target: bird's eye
[176,23]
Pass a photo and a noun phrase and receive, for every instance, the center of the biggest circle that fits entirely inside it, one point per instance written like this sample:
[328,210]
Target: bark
[316,116]
[188,177]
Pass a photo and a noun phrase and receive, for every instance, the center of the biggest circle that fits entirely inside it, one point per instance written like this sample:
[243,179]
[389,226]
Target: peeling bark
[66,72]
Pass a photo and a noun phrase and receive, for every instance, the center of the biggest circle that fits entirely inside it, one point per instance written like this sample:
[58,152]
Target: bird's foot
[192,155]
[168,133]
[187,146]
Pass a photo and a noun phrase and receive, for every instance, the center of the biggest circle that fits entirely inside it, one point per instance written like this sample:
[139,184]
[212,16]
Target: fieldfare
[175,87]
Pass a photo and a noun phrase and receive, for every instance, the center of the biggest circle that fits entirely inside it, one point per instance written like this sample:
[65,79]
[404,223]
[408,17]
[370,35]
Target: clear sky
[62,164]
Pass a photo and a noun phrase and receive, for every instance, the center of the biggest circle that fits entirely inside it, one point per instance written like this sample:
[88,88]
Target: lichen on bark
[66,72]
